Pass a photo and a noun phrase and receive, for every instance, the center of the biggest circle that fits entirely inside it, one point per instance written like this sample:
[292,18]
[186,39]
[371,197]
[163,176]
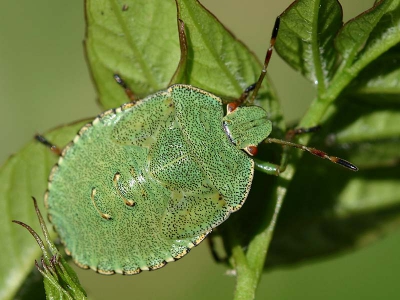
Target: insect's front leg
[53,148]
[129,93]
[268,168]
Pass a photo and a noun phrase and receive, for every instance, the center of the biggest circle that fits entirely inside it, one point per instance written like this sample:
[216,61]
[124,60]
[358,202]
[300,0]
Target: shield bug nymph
[142,184]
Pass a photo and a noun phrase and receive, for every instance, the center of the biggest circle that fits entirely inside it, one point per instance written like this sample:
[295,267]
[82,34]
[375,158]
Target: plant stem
[246,282]
[249,267]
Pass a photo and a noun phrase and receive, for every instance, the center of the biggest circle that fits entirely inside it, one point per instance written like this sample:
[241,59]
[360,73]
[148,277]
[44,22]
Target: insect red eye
[252,150]
[231,106]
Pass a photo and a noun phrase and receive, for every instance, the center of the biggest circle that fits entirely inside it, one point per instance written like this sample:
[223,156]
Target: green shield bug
[142,184]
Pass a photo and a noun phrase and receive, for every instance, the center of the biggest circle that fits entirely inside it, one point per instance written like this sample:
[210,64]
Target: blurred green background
[44,82]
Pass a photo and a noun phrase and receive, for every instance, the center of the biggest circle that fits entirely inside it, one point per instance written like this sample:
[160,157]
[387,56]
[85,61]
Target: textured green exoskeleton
[143,183]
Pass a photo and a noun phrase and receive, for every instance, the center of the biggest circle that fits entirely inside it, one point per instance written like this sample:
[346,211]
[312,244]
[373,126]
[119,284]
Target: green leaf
[24,175]
[216,60]
[307,45]
[367,122]
[219,63]
[306,38]
[341,212]
[380,80]
[136,39]
[142,46]
[33,285]
[354,35]
[328,211]
[381,33]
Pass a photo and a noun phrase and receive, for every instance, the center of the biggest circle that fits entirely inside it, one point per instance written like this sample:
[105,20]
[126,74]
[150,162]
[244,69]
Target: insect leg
[266,61]
[51,146]
[213,249]
[268,168]
[128,91]
[256,86]
[245,94]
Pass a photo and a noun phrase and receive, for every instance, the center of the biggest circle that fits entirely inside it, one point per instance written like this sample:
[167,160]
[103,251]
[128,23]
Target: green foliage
[24,175]
[60,281]
[327,209]
[343,211]
[141,47]
[306,38]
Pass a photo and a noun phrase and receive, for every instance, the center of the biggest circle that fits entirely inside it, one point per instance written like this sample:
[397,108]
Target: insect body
[142,184]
